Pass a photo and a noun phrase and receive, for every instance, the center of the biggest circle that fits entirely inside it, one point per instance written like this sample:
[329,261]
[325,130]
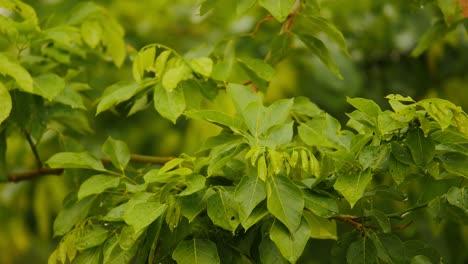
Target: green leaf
[452,11]
[285,201]
[5,106]
[194,204]
[455,163]
[173,76]
[361,251]
[117,151]
[222,210]
[314,25]
[366,106]
[323,132]
[113,39]
[278,8]
[196,251]
[291,245]
[320,205]
[70,96]
[401,153]
[144,61]
[353,184]
[422,148]
[373,156]
[71,215]
[89,256]
[48,85]
[91,31]
[217,117]
[75,160]
[259,67]
[16,71]
[223,156]
[195,183]
[382,253]
[459,198]
[117,93]
[202,65]
[450,135]
[269,253]
[141,214]
[322,52]
[160,63]
[249,193]
[257,214]
[97,184]
[242,96]
[170,104]
[91,236]
[321,228]
[435,33]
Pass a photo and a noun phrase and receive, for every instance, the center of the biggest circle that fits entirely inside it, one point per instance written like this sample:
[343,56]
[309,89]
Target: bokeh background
[380,35]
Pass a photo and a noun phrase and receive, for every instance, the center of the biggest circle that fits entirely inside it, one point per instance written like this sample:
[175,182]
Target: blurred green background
[380,36]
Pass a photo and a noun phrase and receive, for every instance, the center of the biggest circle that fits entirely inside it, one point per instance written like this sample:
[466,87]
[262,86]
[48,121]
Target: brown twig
[29,175]
[23,176]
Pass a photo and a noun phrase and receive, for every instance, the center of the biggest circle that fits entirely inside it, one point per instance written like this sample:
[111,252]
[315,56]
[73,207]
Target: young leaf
[285,201]
[278,8]
[459,198]
[91,236]
[196,251]
[140,215]
[314,25]
[361,251]
[202,65]
[75,160]
[269,253]
[242,96]
[436,32]
[17,72]
[48,85]
[320,205]
[70,215]
[97,184]
[195,183]
[173,76]
[144,60]
[117,151]
[249,193]
[353,184]
[222,210]
[291,245]
[170,104]
[116,94]
[91,31]
[194,204]
[322,52]
[257,214]
[422,148]
[321,228]
[259,67]
[217,117]
[5,106]
[366,106]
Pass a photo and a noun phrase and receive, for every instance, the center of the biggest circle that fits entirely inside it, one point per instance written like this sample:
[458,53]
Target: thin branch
[29,175]
[33,148]
[402,215]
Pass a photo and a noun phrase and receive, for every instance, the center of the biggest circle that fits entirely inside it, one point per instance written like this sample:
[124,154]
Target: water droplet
[421,6]
[106,224]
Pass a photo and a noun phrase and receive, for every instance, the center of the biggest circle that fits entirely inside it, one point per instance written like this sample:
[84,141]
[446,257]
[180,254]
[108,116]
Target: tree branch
[29,175]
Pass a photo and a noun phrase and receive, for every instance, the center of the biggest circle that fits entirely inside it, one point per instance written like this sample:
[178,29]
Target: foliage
[279,177]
